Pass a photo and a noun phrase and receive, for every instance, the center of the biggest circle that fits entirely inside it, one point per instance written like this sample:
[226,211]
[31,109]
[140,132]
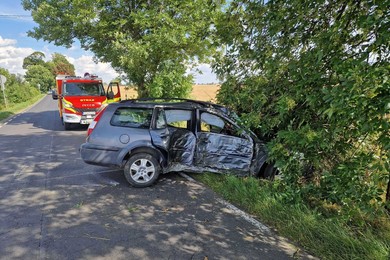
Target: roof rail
[202,103]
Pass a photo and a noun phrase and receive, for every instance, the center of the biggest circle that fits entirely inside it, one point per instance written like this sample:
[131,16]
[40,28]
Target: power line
[15,15]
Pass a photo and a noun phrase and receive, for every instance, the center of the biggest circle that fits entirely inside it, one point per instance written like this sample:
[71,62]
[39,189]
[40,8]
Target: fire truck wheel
[142,170]
[67,126]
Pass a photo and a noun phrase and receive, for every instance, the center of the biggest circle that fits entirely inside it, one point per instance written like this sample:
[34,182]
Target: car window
[178,118]
[215,124]
[83,89]
[112,89]
[132,117]
[161,122]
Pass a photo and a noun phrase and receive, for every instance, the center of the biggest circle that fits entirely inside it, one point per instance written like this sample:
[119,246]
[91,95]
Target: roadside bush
[313,80]
[16,90]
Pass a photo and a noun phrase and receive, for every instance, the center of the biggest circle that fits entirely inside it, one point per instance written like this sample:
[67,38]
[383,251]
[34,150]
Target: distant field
[199,92]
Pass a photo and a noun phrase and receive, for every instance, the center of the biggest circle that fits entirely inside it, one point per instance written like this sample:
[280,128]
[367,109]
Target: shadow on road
[54,206]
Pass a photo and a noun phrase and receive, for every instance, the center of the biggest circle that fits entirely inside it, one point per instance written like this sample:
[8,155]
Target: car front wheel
[142,170]
[269,172]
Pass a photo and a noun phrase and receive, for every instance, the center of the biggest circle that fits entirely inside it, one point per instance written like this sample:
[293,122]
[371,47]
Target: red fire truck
[79,98]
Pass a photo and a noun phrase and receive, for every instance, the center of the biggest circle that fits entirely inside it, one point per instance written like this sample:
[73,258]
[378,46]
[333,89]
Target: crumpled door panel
[182,147]
[223,152]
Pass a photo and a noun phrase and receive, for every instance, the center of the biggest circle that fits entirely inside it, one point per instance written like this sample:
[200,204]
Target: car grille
[81,110]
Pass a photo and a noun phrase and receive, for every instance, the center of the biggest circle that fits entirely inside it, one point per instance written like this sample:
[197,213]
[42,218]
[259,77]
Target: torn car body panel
[223,152]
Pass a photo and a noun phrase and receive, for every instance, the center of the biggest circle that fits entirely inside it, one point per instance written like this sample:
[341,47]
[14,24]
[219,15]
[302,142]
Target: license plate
[85,122]
[89,113]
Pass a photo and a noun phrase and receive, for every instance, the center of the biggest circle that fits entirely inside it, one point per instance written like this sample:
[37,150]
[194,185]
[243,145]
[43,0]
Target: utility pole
[3,79]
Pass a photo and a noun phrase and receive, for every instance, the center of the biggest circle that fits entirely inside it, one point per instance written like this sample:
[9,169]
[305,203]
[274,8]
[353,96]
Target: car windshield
[83,89]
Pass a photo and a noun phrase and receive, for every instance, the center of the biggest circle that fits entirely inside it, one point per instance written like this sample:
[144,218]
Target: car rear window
[132,117]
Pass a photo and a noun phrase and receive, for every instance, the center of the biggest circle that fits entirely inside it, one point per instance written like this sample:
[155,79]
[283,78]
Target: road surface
[54,206]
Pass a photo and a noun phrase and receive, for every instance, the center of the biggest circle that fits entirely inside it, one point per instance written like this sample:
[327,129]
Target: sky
[15,45]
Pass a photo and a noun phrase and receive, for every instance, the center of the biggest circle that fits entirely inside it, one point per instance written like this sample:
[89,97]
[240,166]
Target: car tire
[142,170]
[269,172]
[67,126]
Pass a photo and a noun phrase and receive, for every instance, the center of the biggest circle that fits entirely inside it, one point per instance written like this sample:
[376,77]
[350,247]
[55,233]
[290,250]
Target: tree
[60,65]
[40,77]
[41,74]
[36,58]
[17,90]
[312,77]
[137,37]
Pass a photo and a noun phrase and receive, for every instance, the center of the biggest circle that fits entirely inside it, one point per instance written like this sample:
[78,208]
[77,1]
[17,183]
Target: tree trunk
[388,196]
[142,91]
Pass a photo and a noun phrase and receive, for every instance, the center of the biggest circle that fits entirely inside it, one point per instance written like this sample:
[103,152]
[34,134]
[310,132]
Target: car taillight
[94,122]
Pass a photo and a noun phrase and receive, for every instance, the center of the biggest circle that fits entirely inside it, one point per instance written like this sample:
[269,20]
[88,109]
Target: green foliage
[313,77]
[172,75]
[60,65]
[138,38]
[40,77]
[12,109]
[16,90]
[320,231]
[41,74]
[36,58]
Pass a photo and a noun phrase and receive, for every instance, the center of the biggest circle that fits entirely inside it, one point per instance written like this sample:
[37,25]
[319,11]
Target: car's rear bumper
[99,155]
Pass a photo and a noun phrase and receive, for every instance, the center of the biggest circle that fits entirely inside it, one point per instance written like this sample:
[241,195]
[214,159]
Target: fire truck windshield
[83,89]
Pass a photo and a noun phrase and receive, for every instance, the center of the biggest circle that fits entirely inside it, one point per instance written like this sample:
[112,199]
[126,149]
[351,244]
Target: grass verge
[16,108]
[324,237]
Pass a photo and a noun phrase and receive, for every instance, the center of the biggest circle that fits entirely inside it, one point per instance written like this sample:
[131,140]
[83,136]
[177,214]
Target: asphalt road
[54,206]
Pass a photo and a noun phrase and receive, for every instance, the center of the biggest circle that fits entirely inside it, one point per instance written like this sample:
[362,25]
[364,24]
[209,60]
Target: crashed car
[147,137]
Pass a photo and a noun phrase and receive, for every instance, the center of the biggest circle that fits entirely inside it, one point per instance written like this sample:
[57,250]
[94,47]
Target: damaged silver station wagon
[147,137]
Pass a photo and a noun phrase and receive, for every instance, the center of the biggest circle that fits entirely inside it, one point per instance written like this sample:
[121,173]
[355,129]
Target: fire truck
[80,98]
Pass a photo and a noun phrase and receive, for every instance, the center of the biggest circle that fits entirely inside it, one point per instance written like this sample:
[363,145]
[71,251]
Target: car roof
[177,103]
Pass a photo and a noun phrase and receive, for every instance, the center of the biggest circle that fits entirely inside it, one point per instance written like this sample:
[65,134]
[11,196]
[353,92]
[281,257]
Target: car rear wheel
[142,170]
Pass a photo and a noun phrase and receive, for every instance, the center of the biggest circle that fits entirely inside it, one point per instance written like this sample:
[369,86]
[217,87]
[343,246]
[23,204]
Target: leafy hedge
[313,79]
[16,90]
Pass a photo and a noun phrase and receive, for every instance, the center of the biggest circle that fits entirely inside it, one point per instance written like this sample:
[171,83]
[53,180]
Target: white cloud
[11,57]
[74,47]
[85,63]
[6,42]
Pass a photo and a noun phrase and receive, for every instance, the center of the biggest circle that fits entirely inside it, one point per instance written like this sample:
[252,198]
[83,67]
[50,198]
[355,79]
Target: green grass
[13,109]
[325,237]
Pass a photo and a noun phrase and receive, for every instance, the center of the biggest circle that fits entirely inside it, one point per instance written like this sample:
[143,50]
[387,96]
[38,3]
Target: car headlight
[68,105]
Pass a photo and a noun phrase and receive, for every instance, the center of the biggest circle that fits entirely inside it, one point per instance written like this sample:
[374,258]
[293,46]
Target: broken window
[161,123]
[215,124]
[178,118]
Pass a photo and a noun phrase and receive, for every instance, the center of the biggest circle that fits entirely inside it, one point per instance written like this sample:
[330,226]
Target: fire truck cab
[79,98]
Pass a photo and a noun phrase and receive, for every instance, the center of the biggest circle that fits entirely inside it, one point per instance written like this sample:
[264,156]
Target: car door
[172,132]
[113,92]
[222,145]
[159,131]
